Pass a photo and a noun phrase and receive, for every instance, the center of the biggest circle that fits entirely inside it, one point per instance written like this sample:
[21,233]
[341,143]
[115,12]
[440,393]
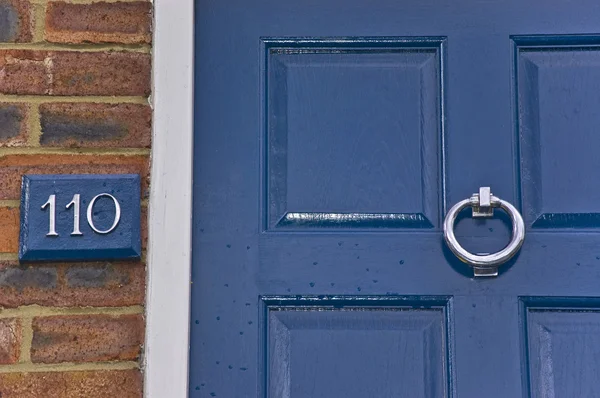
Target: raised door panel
[557,105]
[353,133]
[356,347]
[563,348]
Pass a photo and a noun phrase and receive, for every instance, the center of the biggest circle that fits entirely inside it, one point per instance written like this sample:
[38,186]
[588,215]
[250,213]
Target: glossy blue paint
[331,138]
[366,329]
[123,242]
[391,70]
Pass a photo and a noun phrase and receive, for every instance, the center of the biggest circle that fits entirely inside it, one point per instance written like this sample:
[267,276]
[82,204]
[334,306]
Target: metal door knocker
[483,204]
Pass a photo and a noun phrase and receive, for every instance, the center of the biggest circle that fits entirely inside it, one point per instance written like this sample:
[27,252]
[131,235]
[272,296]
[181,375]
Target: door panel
[563,346]
[322,142]
[557,101]
[405,347]
[330,139]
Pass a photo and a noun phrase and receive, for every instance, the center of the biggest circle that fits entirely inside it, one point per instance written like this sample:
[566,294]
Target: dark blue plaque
[80,217]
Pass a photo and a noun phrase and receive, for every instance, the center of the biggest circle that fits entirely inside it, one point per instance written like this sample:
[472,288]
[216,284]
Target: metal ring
[486,261]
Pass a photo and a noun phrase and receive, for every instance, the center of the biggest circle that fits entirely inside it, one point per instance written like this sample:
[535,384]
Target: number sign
[80,217]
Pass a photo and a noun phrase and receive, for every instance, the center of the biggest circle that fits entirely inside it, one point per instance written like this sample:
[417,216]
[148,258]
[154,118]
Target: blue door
[331,139]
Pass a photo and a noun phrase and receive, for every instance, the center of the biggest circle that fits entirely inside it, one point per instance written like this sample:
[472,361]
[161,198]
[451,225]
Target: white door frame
[170,214]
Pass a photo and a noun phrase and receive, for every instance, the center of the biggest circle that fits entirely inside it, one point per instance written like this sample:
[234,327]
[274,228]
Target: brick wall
[74,88]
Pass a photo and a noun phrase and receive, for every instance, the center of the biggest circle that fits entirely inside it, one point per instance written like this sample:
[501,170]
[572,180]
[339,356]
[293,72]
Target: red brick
[10,340]
[16,24]
[107,285]
[72,285]
[105,73]
[99,22]
[95,125]
[98,384]
[9,229]
[74,73]
[87,338]
[24,72]
[13,124]
[12,167]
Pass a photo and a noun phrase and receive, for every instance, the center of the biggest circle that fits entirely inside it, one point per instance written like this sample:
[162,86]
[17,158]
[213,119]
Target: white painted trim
[169,247]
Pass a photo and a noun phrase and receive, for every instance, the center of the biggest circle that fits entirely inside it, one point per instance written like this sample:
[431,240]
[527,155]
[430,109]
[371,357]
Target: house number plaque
[80,217]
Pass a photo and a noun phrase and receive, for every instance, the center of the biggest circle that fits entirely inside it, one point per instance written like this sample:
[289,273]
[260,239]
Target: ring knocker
[483,205]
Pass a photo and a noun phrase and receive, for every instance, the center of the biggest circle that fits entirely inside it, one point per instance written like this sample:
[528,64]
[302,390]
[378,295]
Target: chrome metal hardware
[483,205]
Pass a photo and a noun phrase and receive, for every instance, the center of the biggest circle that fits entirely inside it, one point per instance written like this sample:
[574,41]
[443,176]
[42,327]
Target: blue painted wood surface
[123,242]
[331,137]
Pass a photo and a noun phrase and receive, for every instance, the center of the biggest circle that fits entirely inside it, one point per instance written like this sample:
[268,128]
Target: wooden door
[331,138]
